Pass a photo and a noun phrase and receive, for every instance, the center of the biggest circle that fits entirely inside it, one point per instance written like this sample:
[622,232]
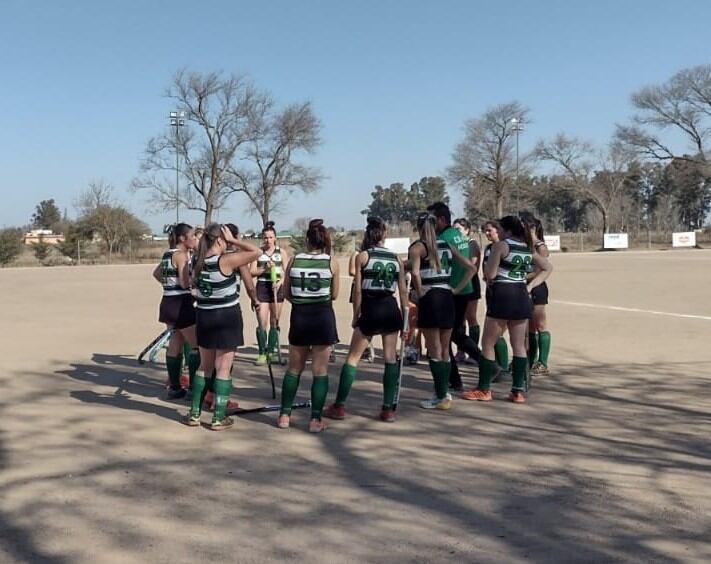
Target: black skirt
[476,294]
[313,325]
[220,328]
[509,301]
[177,312]
[379,315]
[265,292]
[436,310]
[539,294]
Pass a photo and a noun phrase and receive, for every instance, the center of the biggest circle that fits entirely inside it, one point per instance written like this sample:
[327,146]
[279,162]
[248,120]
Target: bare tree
[485,159]
[682,104]
[219,120]
[98,194]
[598,176]
[267,167]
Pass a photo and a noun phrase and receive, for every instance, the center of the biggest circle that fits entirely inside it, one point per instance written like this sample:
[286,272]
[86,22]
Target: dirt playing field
[609,461]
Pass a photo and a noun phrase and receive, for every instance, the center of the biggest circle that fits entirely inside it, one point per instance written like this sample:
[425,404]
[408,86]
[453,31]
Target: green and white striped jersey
[516,264]
[380,273]
[169,276]
[276,259]
[433,278]
[214,289]
[310,278]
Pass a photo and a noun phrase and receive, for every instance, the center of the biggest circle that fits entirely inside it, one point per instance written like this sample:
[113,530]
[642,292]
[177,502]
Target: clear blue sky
[392,81]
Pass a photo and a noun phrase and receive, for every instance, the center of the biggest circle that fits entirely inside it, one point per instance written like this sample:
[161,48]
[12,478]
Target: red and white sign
[552,242]
[687,239]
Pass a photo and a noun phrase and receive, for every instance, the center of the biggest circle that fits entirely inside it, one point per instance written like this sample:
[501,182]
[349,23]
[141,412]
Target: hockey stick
[405,328]
[268,408]
[156,344]
[269,358]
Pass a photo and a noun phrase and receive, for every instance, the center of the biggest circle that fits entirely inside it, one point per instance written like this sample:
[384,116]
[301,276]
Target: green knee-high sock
[186,350]
[519,368]
[273,340]
[222,395]
[199,387]
[319,391]
[532,347]
[261,340]
[442,380]
[501,353]
[474,333]
[544,342]
[487,368]
[174,364]
[193,365]
[433,371]
[289,386]
[348,374]
[390,376]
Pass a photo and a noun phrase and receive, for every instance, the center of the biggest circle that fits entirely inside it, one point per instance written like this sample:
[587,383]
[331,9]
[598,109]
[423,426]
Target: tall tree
[46,215]
[428,190]
[268,167]
[485,160]
[598,176]
[233,141]
[393,204]
[682,105]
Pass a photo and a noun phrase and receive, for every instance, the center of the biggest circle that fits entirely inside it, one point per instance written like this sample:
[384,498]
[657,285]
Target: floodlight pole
[177,120]
[517,126]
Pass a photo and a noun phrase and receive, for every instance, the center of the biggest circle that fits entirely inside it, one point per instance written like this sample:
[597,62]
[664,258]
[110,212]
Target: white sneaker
[435,403]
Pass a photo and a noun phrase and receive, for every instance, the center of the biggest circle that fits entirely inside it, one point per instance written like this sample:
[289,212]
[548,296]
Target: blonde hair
[426,228]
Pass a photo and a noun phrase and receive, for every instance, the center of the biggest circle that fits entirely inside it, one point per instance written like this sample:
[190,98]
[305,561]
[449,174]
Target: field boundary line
[633,310]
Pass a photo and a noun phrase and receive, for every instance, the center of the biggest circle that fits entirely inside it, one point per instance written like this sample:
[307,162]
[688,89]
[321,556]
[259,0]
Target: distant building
[42,235]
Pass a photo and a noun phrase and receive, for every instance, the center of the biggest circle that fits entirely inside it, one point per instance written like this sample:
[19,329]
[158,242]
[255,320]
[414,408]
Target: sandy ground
[609,461]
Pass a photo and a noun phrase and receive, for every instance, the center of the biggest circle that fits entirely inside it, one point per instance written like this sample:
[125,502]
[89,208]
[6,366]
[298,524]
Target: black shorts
[350,298]
[265,292]
[436,310]
[313,325]
[177,312]
[220,328]
[539,294]
[379,315]
[509,301]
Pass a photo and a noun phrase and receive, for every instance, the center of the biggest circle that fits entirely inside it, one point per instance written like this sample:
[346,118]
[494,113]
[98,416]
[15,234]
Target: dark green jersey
[460,243]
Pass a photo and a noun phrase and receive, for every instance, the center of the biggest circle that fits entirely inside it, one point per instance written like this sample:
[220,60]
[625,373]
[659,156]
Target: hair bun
[374,220]
[315,223]
[269,225]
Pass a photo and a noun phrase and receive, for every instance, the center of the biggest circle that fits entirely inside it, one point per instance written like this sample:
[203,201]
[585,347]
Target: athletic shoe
[517,396]
[261,360]
[316,426]
[190,421]
[334,411]
[176,394]
[366,355]
[209,404]
[460,357]
[221,425]
[387,415]
[539,369]
[208,401]
[184,381]
[283,421]
[435,403]
[475,394]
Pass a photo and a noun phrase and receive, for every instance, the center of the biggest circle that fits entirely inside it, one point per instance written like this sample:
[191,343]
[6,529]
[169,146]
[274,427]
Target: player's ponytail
[426,228]
[176,231]
[374,233]
[269,226]
[212,233]
[317,237]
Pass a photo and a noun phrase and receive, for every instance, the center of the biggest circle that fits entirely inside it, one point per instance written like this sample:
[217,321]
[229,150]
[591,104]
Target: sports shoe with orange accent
[475,394]
[517,397]
[539,369]
[316,426]
[283,421]
[387,415]
[334,411]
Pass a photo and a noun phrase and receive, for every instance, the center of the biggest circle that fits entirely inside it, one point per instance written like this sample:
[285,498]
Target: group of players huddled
[203,271]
